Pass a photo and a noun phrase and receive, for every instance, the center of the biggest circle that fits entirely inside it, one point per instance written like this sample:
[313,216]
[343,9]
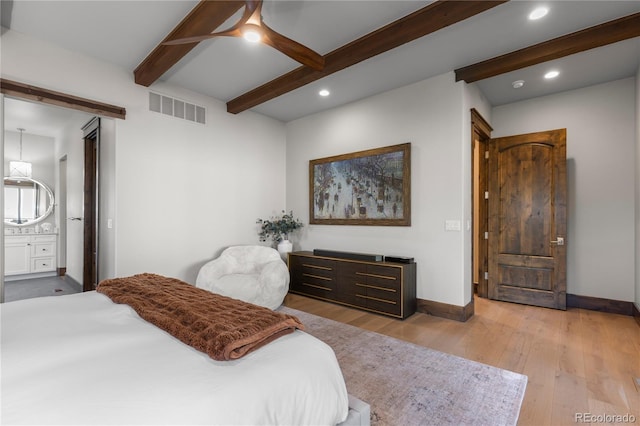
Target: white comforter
[81,359]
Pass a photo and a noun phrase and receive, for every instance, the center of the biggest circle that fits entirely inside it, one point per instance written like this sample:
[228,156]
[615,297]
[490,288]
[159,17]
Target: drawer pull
[391,302]
[386,277]
[393,290]
[317,286]
[326,268]
[318,277]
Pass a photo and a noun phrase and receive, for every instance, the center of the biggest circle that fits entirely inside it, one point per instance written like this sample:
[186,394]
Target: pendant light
[20,169]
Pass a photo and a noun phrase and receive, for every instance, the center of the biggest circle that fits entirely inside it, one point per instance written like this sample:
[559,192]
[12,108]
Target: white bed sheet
[81,359]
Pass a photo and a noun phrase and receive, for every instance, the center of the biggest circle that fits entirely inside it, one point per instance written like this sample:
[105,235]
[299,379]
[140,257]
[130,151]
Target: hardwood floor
[577,361]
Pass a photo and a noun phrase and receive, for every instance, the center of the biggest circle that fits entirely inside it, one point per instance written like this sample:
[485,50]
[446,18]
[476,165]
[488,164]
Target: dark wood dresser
[383,287]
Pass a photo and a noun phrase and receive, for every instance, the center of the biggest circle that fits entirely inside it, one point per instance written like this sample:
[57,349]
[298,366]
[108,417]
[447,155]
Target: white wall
[600,122]
[107,200]
[433,115]
[473,98]
[184,191]
[69,144]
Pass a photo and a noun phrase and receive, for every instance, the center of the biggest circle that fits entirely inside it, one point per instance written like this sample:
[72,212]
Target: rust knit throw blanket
[222,327]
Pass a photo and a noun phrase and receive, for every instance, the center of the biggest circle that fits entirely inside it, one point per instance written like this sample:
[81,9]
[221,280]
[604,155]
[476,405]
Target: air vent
[176,108]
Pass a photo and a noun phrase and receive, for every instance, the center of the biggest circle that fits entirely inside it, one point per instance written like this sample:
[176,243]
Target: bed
[83,359]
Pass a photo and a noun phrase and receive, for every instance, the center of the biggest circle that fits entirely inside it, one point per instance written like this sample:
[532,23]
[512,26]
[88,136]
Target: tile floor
[39,287]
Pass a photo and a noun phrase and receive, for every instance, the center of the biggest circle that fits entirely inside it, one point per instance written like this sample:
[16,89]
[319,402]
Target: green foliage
[278,228]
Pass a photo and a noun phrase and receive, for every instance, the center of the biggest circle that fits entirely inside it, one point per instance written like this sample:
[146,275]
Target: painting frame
[371,188]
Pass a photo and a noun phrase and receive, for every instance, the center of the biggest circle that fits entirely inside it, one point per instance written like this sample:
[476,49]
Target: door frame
[2,197]
[36,94]
[91,202]
[481,132]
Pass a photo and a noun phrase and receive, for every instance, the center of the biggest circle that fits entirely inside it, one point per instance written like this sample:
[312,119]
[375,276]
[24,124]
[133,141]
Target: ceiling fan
[252,28]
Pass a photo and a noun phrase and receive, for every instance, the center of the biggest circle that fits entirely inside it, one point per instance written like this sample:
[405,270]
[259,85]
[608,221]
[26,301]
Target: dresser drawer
[313,276]
[321,267]
[43,264]
[39,249]
[384,304]
[385,280]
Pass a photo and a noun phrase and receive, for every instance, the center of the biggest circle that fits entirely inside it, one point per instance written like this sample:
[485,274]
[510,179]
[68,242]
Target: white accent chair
[254,274]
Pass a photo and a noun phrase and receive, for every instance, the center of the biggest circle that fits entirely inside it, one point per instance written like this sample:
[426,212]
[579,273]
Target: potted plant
[278,228]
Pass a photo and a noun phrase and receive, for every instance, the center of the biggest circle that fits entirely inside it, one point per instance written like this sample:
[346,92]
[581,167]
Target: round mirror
[26,201]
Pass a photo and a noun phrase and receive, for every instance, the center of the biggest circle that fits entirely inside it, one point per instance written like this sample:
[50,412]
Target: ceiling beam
[205,18]
[427,20]
[46,96]
[600,35]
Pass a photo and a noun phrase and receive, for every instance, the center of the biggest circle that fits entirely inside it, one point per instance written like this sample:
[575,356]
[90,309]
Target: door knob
[559,241]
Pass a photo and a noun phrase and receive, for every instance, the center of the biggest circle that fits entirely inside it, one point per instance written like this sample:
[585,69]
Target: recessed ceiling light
[538,13]
[551,74]
[517,84]
[324,92]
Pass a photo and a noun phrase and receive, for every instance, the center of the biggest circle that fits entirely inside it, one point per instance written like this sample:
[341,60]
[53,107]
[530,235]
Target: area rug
[407,384]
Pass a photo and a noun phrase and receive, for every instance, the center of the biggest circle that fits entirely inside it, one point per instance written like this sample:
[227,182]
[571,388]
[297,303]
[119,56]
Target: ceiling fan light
[252,35]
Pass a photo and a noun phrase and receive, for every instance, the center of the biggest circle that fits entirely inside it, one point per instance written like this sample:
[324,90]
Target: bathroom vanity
[29,255]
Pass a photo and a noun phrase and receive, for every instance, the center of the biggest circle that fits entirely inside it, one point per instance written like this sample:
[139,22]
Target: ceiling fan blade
[292,49]
[252,18]
[195,39]
[252,7]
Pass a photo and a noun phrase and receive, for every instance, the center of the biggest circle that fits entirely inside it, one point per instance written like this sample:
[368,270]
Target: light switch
[109,223]
[452,225]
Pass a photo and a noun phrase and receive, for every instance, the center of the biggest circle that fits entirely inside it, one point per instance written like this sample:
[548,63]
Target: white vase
[284,247]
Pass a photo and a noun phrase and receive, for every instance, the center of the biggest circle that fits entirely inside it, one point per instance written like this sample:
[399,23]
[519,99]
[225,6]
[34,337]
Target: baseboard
[444,310]
[602,305]
[463,313]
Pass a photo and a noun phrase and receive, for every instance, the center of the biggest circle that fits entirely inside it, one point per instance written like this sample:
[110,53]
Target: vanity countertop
[20,234]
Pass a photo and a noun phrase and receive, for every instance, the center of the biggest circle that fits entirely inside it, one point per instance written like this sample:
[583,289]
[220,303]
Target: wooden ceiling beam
[429,19]
[600,35]
[205,18]
[50,97]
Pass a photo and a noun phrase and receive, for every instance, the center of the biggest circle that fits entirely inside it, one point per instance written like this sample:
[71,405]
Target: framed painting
[370,187]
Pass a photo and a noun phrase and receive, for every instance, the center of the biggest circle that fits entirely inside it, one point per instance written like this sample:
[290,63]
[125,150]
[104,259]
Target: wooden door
[527,219]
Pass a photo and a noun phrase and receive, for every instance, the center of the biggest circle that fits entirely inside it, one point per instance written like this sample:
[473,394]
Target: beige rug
[407,384]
